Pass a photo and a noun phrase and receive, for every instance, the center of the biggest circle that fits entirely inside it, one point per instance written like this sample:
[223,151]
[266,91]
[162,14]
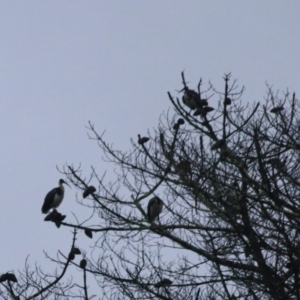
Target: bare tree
[204,207]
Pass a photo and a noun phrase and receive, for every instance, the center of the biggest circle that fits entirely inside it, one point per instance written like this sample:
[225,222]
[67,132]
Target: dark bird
[8,277]
[276,110]
[90,190]
[74,251]
[82,263]
[88,232]
[190,98]
[71,256]
[142,140]
[164,282]
[176,126]
[180,121]
[227,101]
[56,217]
[155,206]
[54,198]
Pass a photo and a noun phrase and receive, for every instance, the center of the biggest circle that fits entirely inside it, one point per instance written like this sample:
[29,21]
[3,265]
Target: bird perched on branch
[155,206]
[164,282]
[54,198]
[89,190]
[227,101]
[8,277]
[142,140]
[83,263]
[277,109]
[56,217]
[178,124]
[190,98]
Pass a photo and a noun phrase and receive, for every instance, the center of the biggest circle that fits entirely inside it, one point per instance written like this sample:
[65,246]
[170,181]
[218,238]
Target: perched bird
[155,206]
[88,232]
[190,98]
[164,282]
[180,121]
[227,101]
[54,198]
[82,263]
[277,109]
[71,256]
[142,140]
[176,126]
[74,251]
[56,217]
[8,277]
[90,190]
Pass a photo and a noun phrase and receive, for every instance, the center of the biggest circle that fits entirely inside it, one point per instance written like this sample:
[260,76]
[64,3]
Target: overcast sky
[63,63]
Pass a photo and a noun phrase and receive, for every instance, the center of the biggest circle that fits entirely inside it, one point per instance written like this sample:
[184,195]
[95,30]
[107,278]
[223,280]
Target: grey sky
[63,63]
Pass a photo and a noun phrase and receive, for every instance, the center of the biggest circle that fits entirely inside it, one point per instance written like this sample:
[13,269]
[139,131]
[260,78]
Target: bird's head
[185,88]
[158,201]
[61,181]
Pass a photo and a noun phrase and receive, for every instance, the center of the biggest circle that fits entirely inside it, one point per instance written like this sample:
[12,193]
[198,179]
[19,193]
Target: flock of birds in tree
[193,100]
[55,197]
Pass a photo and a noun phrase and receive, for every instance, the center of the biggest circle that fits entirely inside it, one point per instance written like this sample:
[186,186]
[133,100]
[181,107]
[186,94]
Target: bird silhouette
[54,198]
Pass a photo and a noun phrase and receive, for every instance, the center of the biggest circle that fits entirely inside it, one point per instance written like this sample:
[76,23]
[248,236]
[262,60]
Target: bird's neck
[62,188]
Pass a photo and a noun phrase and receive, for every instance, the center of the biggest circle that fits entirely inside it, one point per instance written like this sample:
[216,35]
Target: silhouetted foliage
[227,175]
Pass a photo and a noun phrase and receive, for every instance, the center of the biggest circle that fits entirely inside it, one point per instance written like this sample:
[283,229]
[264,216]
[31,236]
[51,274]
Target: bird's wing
[149,208]
[48,201]
[85,193]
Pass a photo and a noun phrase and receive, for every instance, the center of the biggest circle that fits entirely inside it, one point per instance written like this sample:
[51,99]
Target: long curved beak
[67,184]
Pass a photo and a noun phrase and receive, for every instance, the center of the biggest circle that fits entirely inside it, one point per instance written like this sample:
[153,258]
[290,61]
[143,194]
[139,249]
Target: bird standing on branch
[142,140]
[164,282]
[54,198]
[190,98]
[89,190]
[155,206]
